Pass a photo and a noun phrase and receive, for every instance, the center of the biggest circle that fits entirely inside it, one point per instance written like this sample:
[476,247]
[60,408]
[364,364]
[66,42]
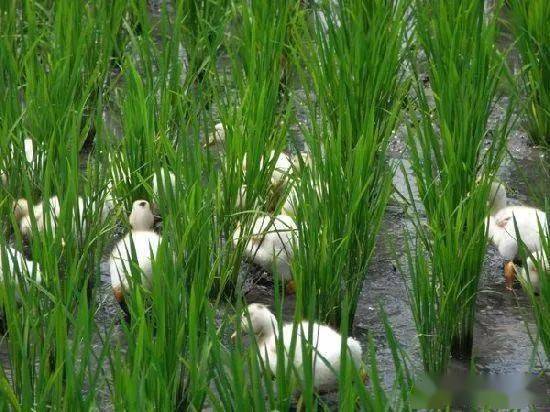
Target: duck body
[508,227]
[42,214]
[145,244]
[49,212]
[325,343]
[139,247]
[531,274]
[17,264]
[270,244]
[502,229]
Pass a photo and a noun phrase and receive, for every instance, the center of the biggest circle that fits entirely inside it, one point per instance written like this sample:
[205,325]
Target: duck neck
[498,200]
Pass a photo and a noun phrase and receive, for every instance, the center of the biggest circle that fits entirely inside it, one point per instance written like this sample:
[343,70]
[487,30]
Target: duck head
[262,321]
[142,217]
[20,209]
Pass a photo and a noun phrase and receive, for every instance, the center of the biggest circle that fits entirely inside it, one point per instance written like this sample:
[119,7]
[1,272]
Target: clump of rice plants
[254,117]
[351,56]
[453,159]
[534,274]
[529,22]
[538,268]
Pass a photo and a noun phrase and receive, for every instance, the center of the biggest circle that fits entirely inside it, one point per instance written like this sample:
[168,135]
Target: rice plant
[254,117]
[534,272]
[454,160]
[351,59]
[541,303]
[529,20]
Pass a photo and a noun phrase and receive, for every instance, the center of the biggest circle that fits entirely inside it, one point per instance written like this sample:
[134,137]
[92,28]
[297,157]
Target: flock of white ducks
[270,243]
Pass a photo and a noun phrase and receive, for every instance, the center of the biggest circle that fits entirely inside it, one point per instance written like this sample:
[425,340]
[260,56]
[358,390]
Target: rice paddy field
[287,205]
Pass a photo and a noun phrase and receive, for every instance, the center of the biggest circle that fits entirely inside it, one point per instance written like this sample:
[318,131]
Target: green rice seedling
[535,267]
[202,32]
[65,61]
[255,119]
[164,359]
[355,88]
[10,74]
[541,303]
[50,327]
[50,323]
[453,163]
[529,20]
[252,114]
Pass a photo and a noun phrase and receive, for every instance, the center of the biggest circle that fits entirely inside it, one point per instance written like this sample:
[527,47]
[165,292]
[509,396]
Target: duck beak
[234,336]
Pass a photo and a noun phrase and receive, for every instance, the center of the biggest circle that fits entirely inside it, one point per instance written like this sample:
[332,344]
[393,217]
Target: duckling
[215,142]
[22,213]
[284,164]
[502,229]
[270,245]
[143,241]
[326,345]
[16,263]
[531,274]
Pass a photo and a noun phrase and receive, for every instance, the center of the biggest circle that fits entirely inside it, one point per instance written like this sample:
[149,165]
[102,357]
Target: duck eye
[142,204]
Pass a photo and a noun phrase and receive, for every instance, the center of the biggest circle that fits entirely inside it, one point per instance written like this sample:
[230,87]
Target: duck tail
[355,350]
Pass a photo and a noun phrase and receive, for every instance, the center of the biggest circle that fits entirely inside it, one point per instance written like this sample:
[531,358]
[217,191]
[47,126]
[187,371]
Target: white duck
[145,243]
[22,214]
[17,264]
[283,167]
[502,229]
[28,147]
[531,274]
[325,342]
[270,245]
[41,214]
[215,141]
